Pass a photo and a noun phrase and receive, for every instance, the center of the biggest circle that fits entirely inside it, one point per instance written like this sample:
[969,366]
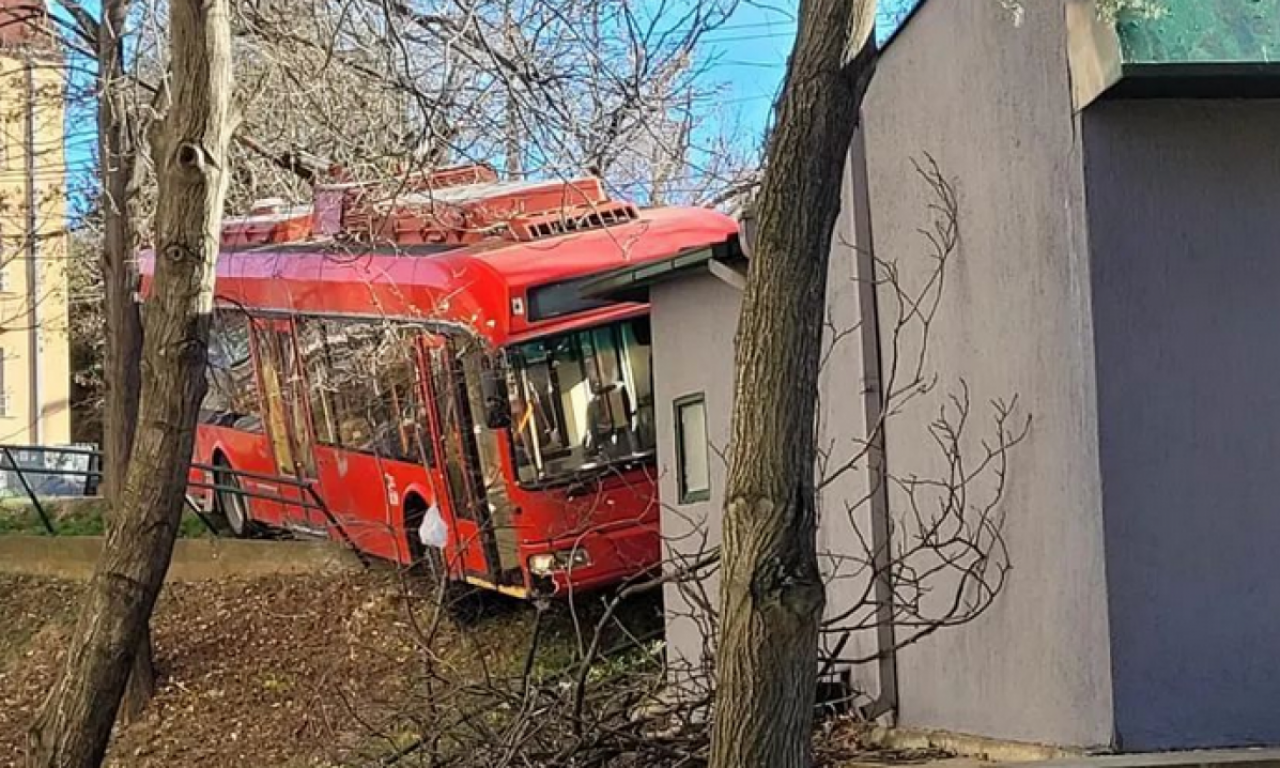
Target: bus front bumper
[594,560]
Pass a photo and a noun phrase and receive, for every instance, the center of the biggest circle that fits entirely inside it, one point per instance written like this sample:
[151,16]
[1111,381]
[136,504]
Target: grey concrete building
[1117,269]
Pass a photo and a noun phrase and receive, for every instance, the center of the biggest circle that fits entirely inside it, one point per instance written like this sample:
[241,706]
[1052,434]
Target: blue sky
[81,116]
[750,51]
[748,54]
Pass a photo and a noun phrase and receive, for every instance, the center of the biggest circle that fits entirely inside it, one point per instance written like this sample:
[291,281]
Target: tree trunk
[118,164]
[771,594]
[190,152]
[142,682]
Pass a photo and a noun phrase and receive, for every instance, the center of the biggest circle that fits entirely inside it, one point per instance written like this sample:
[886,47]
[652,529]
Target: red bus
[425,354]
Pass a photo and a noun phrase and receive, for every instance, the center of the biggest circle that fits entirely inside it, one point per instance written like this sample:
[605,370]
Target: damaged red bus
[421,362]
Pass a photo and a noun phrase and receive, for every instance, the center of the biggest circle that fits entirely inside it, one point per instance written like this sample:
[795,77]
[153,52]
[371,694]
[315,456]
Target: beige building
[34,355]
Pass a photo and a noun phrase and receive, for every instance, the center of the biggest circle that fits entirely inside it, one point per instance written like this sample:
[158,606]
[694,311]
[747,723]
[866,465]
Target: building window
[693,470]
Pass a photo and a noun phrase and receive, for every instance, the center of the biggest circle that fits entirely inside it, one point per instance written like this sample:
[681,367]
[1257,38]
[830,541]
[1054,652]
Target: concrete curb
[994,750]
[1013,754]
[1218,758]
[73,557]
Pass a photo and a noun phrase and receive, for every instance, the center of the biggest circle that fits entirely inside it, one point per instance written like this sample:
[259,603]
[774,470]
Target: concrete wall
[694,322]
[989,99]
[1184,211]
[74,557]
[844,515]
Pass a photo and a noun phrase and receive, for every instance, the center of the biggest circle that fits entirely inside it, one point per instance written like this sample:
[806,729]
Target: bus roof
[485,286]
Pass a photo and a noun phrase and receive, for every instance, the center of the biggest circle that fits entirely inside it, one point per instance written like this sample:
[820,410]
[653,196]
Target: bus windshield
[581,401]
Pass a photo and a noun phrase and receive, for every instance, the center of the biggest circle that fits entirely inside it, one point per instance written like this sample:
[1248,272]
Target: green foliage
[74,517]
[1198,31]
[633,661]
[1112,10]
[1108,10]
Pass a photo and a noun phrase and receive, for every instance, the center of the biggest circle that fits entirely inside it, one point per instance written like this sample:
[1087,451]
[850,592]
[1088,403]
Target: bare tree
[118,144]
[640,116]
[324,87]
[190,153]
[943,561]
[550,86]
[772,594]
[112,227]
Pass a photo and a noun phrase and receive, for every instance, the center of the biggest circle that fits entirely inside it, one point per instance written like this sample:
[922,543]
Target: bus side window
[232,397]
[313,345]
[348,387]
[404,408]
[364,394]
[396,411]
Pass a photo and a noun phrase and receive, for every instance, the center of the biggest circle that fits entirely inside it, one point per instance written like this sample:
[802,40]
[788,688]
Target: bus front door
[458,471]
[288,427]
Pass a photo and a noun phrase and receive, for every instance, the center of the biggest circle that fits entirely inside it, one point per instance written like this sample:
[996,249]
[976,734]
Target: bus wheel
[231,506]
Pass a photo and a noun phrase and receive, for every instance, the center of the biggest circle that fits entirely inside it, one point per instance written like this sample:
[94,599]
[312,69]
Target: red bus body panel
[481,286]
[472,286]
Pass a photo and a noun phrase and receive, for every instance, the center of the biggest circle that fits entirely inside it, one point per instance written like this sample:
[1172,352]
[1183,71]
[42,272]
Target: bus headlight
[542,564]
[550,562]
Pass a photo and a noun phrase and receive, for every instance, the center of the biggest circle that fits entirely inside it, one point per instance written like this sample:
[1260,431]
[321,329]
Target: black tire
[232,508]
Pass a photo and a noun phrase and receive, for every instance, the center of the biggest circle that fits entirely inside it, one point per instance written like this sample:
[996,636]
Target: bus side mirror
[497,406]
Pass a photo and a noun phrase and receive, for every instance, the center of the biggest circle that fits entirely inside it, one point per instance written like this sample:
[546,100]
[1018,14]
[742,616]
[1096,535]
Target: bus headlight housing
[549,562]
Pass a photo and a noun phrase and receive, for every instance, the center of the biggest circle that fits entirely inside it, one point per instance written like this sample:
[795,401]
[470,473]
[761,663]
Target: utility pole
[33,251]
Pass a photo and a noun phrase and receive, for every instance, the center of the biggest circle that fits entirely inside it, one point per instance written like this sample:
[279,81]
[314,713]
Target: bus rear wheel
[230,503]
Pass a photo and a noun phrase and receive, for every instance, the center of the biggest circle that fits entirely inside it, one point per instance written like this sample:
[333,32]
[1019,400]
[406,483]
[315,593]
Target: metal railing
[308,499]
[91,474]
[311,501]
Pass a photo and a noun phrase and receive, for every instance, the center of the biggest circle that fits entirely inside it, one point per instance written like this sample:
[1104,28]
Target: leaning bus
[419,360]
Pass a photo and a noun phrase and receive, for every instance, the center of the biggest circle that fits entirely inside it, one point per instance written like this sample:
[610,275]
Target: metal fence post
[35,502]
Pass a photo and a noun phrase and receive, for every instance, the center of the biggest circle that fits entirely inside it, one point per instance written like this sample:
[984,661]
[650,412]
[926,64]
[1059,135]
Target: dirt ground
[284,671]
[295,671]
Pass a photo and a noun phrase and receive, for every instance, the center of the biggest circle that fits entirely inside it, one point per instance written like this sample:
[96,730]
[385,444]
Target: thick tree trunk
[118,152]
[771,595]
[142,682]
[190,151]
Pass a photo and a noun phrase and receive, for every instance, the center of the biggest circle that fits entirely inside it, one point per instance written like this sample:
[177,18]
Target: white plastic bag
[433,532]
